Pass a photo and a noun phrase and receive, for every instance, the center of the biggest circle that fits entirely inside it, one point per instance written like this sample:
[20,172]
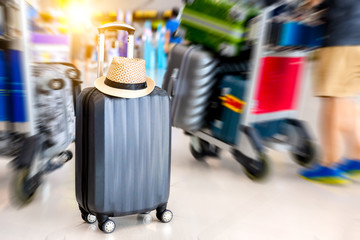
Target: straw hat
[126,78]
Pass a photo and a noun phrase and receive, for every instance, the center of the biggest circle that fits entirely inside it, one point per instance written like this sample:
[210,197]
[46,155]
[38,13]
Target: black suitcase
[122,152]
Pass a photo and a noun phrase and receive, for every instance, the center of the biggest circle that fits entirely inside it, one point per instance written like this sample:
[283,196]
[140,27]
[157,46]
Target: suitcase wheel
[89,218]
[165,216]
[144,218]
[108,226]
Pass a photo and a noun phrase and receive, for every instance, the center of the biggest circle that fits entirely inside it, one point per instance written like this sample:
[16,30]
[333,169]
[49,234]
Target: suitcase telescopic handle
[114,26]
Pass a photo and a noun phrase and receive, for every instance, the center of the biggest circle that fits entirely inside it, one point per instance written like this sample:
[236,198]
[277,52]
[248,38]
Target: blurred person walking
[171,26]
[337,82]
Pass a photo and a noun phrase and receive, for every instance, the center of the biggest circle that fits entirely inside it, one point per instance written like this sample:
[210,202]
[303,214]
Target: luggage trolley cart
[270,112]
[43,117]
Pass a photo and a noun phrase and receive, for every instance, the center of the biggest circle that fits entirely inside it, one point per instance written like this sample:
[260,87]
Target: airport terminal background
[210,198]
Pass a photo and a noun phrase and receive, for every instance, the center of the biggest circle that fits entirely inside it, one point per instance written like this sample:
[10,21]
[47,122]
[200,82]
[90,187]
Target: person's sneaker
[325,175]
[350,168]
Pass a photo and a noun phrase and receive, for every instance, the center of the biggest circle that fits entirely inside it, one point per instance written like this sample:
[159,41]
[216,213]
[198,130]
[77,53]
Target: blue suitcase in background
[232,90]
[16,86]
[4,95]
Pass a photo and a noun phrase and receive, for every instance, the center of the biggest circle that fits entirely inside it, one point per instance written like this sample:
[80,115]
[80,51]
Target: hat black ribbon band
[126,86]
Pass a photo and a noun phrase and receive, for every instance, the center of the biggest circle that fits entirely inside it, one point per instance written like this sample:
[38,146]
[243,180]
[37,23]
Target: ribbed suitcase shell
[122,152]
[189,79]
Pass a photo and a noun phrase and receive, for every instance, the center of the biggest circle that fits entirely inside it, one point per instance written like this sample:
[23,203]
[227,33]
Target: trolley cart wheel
[200,149]
[24,188]
[59,161]
[66,156]
[305,155]
[303,149]
[255,169]
[197,154]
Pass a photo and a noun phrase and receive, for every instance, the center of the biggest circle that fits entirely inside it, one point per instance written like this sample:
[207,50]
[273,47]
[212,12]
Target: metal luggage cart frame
[300,145]
[34,158]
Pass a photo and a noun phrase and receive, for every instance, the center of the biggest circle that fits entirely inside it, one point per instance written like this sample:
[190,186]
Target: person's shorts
[337,71]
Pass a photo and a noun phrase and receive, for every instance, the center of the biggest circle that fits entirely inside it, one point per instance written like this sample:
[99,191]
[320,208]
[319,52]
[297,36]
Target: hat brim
[102,87]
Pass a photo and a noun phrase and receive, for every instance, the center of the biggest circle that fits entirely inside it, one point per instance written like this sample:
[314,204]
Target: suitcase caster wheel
[165,216]
[108,226]
[144,218]
[89,218]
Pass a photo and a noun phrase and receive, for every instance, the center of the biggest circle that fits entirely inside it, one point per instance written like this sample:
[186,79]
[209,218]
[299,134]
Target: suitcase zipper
[85,149]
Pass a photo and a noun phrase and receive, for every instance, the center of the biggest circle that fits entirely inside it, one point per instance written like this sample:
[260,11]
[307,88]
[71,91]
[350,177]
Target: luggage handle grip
[114,26]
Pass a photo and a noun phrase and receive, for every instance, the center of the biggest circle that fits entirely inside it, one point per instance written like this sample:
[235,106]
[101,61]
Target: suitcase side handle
[114,26]
[174,76]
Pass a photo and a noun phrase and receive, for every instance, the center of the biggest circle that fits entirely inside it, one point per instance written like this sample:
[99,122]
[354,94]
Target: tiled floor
[210,200]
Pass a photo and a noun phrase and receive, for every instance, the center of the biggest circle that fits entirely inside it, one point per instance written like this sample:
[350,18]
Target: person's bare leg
[351,128]
[330,130]
[332,120]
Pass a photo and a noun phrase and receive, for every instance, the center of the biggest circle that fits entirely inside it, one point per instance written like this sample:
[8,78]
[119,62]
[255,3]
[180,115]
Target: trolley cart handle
[114,26]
